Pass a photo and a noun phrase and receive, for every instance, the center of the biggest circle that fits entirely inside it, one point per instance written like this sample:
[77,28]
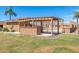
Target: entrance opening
[1,26]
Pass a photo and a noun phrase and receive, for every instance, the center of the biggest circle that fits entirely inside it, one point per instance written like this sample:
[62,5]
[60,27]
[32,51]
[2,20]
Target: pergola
[40,21]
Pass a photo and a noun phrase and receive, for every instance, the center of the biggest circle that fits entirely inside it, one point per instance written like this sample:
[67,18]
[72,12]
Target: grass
[63,50]
[19,43]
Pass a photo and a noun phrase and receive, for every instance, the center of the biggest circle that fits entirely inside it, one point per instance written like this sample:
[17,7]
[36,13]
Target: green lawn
[18,43]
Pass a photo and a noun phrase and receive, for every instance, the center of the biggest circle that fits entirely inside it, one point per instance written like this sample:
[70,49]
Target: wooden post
[58,26]
[62,26]
[24,24]
[19,26]
[32,22]
[41,25]
[36,21]
[52,27]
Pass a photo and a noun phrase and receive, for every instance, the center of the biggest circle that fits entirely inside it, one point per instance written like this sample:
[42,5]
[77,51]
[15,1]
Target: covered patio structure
[37,25]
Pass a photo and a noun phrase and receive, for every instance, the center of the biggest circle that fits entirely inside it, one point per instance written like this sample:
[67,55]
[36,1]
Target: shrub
[6,30]
[12,30]
[1,29]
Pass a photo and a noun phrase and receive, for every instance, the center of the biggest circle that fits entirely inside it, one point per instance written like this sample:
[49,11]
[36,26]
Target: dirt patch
[50,49]
[45,49]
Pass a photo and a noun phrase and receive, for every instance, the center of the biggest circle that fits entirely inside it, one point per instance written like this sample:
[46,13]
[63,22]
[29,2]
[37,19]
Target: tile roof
[2,23]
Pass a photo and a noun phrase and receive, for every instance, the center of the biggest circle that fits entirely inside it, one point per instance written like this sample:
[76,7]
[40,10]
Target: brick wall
[14,27]
[23,30]
[66,30]
[28,31]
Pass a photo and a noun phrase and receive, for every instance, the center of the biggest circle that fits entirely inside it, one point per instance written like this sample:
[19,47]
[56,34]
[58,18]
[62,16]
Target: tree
[10,12]
[76,16]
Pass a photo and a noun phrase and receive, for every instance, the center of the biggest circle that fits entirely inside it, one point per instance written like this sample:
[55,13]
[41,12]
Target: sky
[65,12]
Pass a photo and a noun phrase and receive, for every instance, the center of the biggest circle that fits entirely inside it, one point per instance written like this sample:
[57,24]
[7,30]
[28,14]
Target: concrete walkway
[49,36]
[46,35]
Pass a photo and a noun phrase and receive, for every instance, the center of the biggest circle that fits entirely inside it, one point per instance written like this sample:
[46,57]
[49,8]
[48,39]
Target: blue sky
[65,12]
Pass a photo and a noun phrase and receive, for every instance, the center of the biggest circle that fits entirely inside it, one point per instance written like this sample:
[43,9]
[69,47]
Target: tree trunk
[77,27]
[77,20]
[11,25]
[9,16]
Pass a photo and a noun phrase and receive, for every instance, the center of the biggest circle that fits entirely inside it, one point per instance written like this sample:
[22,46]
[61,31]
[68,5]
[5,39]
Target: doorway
[1,26]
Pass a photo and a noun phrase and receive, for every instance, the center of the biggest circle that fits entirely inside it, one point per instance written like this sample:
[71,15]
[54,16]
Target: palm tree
[10,12]
[76,16]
